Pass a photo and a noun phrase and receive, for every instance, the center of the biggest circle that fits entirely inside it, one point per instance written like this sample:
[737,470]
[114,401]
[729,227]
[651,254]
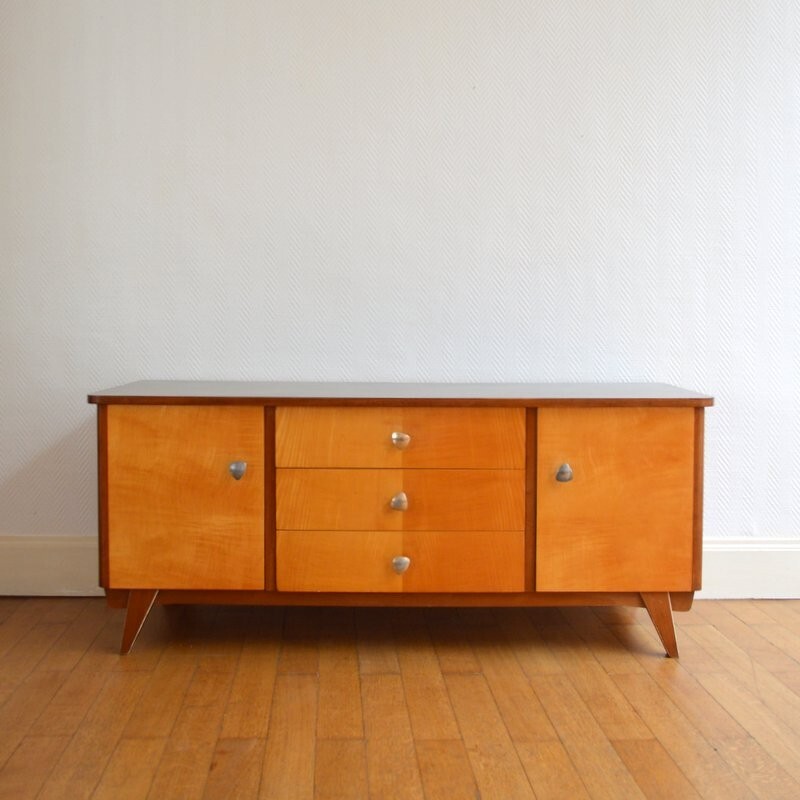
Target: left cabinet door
[177,518]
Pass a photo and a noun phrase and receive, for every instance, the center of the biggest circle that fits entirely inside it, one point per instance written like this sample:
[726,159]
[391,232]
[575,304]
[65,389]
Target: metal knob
[399,502]
[564,473]
[400,440]
[237,469]
[400,564]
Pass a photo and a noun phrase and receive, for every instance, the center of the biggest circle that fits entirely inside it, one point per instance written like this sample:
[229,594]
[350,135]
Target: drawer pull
[564,473]
[237,469]
[400,564]
[401,440]
[399,502]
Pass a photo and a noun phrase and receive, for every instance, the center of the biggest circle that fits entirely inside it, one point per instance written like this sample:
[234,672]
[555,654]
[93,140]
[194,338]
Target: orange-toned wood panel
[338,561]
[465,438]
[624,521]
[361,561]
[464,561]
[438,499]
[177,519]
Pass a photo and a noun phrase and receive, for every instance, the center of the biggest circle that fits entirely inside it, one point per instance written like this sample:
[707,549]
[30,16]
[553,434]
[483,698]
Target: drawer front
[438,500]
[467,438]
[177,519]
[361,561]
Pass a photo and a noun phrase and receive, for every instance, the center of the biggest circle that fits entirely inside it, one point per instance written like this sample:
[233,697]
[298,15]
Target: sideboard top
[303,393]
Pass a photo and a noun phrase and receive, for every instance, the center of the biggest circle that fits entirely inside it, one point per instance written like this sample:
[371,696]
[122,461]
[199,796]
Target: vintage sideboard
[400,494]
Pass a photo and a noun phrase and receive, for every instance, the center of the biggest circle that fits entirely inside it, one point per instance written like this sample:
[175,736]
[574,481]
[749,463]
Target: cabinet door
[623,522]
[177,518]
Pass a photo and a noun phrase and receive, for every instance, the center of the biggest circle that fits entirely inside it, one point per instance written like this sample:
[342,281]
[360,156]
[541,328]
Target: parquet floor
[406,703]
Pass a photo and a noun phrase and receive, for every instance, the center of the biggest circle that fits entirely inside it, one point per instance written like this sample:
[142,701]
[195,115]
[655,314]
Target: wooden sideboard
[400,494]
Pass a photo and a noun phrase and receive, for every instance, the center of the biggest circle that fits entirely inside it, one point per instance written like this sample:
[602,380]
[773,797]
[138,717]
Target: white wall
[419,190]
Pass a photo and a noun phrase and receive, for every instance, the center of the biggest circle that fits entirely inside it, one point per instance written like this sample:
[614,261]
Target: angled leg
[660,611]
[140,601]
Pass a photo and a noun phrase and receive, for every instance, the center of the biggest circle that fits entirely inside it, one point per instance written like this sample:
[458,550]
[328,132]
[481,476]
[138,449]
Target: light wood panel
[625,520]
[349,499]
[361,561]
[179,519]
[474,438]
[464,561]
[338,561]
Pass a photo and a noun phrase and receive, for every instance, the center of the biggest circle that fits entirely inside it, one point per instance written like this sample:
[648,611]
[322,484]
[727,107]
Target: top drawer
[465,438]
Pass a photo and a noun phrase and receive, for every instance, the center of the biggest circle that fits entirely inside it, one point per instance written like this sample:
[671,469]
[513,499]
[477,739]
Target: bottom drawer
[361,561]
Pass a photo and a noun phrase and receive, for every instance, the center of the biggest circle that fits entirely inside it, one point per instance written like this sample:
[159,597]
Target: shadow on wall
[55,493]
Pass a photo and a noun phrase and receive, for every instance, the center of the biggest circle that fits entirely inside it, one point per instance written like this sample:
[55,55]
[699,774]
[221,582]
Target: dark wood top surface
[303,393]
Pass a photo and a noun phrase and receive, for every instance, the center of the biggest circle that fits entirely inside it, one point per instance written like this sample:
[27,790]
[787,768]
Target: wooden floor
[408,703]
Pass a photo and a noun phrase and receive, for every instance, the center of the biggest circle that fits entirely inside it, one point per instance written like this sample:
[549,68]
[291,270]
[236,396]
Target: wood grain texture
[445,769]
[287,770]
[625,519]
[531,437]
[102,494]
[178,519]
[465,438]
[392,766]
[340,770]
[361,561]
[495,763]
[269,498]
[464,561]
[438,499]
[338,561]
[660,611]
[521,704]
[443,599]
[697,504]
[140,601]
[131,769]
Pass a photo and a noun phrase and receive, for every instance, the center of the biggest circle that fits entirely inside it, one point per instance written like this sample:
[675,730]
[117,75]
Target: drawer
[474,438]
[361,561]
[438,499]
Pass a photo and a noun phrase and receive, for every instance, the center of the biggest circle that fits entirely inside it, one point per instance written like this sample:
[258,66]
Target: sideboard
[388,494]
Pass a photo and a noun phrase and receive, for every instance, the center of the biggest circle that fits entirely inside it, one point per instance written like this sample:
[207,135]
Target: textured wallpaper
[495,190]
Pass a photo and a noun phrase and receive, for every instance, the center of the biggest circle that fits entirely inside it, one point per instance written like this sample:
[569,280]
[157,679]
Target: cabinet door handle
[564,473]
[399,502]
[401,440]
[400,564]
[237,469]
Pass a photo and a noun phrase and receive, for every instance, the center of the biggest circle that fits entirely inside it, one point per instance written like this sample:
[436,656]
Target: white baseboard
[49,565]
[67,565]
[751,568]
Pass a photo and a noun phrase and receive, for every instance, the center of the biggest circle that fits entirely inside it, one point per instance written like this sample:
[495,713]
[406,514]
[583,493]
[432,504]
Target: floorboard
[435,704]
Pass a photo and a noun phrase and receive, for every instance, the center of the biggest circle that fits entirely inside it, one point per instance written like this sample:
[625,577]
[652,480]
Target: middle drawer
[435,499]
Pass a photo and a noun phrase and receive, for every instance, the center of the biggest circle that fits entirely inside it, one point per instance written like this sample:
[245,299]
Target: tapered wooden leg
[660,611]
[140,601]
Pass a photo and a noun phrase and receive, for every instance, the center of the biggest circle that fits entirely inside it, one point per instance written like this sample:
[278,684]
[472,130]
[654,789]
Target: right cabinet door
[614,504]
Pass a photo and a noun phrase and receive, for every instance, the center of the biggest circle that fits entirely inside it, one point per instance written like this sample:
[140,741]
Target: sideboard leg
[140,601]
[660,611]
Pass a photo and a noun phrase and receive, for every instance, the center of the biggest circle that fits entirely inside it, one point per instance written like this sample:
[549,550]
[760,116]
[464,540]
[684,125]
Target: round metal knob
[400,564]
[564,473]
[401,440]
[399,502]
[237,469]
